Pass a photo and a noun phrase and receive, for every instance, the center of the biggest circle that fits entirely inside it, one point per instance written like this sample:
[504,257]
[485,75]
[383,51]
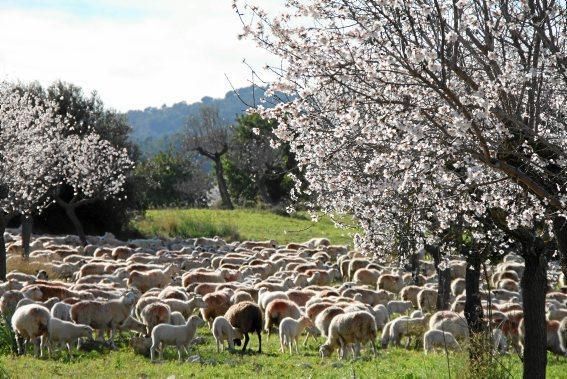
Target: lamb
[30,322]
[290,330]
[222,330]
[409,293]
[62,311]
[350,328]
[153,278]
[279,309]
[133,325]
[381,315]
[185,307]
[266,297]
[65,332]
[178,335]
[155,314]
[103,316]
[397,306]
[408,327]
[438,338]
[247,317]
[457,326]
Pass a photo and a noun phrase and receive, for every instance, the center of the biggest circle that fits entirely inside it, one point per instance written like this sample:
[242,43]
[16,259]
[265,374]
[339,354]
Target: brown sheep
[217,303]
[277,310]
[366,276]
[155,314]
[300,297]
[153,278]
[247,318]
[409,293]
[392,283]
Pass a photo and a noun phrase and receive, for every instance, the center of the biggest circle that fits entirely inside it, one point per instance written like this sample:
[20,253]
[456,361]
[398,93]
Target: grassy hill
[240,224]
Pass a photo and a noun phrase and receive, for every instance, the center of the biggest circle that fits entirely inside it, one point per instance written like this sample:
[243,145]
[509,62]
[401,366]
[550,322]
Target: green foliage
[250,224]
[255,170]
[7,340]
[173,179]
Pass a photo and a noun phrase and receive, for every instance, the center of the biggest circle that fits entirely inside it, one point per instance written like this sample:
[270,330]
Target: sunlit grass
[240,224]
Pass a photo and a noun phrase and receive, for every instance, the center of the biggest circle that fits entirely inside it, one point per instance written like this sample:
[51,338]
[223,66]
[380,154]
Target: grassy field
[390,363]
[240,224]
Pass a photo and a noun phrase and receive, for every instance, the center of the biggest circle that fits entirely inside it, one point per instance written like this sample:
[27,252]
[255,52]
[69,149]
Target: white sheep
[290,330]
[62,311]
[399,306]
[381,315]
[178,335]
[408,327]
[64,333]
[438,338]
[222,330]
[30,322]
[177,318]
[353,329]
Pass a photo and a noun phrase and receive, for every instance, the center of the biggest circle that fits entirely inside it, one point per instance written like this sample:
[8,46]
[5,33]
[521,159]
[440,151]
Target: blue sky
[134,53]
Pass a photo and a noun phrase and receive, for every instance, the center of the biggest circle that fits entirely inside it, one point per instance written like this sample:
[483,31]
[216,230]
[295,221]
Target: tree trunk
[560,231]
[534,286]
[27,228]
[473,310]
[70,211]
[263,192]
[3,265]
[444,278]
[223,189]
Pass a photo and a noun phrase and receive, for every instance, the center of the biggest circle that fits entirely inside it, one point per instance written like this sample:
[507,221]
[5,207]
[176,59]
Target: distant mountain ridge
[154,129]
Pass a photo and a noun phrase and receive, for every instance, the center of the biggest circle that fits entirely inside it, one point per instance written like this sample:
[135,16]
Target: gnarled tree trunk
[534,286]
[223,188]
[473,309]
[70,210]
[444,277]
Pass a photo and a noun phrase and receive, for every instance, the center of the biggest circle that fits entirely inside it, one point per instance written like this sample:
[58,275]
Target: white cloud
[178,50]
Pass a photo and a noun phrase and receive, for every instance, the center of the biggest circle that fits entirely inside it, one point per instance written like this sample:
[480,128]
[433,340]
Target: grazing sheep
[408,327]
[155,314]
[216,304]
[366,276]
[185,307]
[104,316]
[266,297]
[369,297]
[30,322]
[323,319]
[62,311]
[203,277]
[290,330]
[438,338]
[398,306]
[457,326]
[49,303]
[178,335]
[391,283]
[153,278]
[381,315]
[223,331]
[247,317]
[133,325]
[427,300]
[354,328]
[458,286]
[409,293]
[9,302]
[277,310]
[240,296]
[65,333]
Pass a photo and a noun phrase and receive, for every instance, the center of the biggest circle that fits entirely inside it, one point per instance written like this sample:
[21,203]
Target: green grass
[240,224]
[390,363]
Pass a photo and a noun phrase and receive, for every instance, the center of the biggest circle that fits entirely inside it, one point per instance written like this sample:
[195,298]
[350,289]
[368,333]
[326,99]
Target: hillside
[154,129]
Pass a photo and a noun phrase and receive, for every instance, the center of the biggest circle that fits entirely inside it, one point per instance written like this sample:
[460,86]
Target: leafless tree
[206,135]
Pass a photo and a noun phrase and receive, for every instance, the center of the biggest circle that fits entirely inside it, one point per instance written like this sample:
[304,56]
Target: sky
[134,53]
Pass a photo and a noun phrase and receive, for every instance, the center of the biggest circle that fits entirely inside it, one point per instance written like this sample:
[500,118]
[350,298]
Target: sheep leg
[282,343]
[259,332]
[20,343]
[373,348]
[246,339]
[152,352]
[36,347]
[179,355]
[218,346]
[306,338]
[161,347]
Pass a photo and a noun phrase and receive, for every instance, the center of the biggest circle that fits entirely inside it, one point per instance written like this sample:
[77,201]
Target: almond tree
[30,137]
[429,98]
[94,169]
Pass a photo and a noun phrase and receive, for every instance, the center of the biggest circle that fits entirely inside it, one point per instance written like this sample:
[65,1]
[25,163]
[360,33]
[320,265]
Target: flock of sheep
[151,288]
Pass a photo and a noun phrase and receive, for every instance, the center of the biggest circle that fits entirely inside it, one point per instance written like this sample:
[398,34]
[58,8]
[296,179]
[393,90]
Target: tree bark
[473,309]
[560,231]
[27,228]
[3,264]
[70,211]
[223,189]
[263,192]
[444,277]
[534,286]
